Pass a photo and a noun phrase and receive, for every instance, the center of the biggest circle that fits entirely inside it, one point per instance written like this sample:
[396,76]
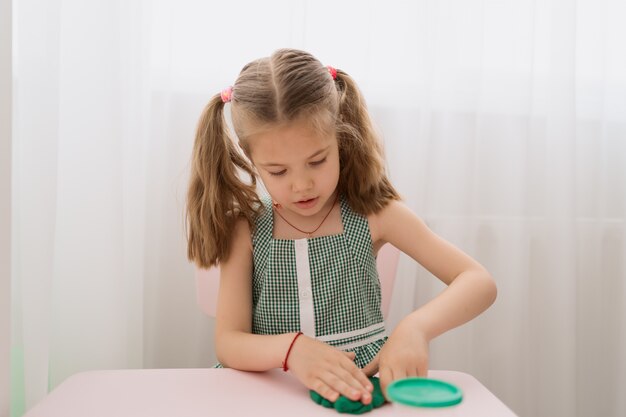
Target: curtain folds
[505,129]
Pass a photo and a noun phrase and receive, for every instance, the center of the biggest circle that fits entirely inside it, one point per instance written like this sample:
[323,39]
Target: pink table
[219,392]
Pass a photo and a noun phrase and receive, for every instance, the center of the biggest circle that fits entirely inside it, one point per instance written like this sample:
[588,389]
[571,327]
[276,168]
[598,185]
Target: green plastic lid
[424,392]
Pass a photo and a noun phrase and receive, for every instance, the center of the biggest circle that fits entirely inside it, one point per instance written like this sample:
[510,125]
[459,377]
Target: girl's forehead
[289,142]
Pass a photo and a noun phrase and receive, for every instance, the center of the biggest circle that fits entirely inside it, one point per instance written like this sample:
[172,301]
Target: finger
[422,369]
[385,377]
[340,385]
[366,396]
[354,377]
[399,374]
[371,368]
[325,391]
[350,355]
[361,378]
[411,372]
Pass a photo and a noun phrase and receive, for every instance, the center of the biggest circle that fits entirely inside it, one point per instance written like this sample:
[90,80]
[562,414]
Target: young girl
[298,281]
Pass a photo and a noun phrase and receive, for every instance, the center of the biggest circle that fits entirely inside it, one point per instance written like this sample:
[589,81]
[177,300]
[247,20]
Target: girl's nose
[302,184]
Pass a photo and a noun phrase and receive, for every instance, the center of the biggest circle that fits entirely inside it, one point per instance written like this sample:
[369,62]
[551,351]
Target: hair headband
[333,71]
[227,94]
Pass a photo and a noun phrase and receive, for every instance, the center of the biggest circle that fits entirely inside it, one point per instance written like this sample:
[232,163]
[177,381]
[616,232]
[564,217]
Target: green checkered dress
[327,287]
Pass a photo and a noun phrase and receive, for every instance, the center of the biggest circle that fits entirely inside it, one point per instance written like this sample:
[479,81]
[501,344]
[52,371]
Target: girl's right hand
[328,371]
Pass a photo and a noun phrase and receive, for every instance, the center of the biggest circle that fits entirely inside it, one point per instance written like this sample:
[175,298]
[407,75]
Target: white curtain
[505,129]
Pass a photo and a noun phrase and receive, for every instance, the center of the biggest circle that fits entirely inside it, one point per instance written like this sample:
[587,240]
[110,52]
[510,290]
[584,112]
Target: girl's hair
[290,85]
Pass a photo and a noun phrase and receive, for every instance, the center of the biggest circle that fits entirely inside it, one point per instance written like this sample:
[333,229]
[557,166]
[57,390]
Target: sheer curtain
[504,126]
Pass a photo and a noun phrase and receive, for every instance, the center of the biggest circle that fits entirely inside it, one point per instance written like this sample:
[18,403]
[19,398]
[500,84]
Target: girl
[298,281]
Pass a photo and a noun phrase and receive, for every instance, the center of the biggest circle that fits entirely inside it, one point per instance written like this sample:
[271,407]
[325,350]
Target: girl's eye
[321,161]
[277,174]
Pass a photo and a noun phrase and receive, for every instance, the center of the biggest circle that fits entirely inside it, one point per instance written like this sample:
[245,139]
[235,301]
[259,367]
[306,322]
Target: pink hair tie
[227,94]
[333,72]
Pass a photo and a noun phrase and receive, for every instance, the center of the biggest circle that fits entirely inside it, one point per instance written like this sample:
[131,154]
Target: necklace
[277,206]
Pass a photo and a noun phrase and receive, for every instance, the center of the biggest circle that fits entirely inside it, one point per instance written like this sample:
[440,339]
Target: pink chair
[208,281]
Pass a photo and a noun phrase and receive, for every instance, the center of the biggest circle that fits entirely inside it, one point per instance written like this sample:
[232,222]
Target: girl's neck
[290,225]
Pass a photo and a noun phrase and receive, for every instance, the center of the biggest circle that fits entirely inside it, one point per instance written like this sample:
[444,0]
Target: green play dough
[345,405]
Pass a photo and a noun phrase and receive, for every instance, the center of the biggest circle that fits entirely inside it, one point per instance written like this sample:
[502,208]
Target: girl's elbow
[223,350]
[221,355]
[491,290]
[226,358]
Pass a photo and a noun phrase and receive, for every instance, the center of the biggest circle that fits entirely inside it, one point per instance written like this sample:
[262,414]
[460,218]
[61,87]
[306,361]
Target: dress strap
[357,234]
[262,234]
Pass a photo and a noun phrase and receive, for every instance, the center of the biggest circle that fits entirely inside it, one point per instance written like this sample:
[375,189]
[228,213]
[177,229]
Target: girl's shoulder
[242,235]
[391,217]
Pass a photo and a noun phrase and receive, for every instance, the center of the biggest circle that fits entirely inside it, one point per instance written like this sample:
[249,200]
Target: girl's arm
[470,291]
[317,365]
[234,313]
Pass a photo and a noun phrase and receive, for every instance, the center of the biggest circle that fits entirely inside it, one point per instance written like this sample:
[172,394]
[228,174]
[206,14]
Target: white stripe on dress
[354,333]
[363,342]
[305,292]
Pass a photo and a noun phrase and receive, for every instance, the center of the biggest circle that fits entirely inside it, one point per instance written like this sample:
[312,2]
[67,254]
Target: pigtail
[363,179]
[217,196]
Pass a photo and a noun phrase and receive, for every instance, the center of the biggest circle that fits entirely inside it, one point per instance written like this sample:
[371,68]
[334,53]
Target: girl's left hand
[405,354]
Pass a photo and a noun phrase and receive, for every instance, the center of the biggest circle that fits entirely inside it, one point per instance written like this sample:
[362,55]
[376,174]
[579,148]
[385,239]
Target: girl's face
[298,165]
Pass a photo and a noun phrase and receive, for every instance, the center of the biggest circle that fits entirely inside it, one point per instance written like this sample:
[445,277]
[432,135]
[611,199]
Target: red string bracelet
[285,367]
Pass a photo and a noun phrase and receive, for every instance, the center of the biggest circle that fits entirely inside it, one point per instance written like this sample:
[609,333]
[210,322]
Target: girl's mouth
[305,204]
